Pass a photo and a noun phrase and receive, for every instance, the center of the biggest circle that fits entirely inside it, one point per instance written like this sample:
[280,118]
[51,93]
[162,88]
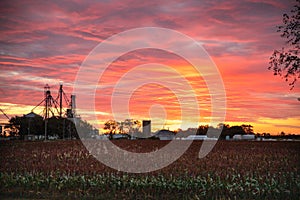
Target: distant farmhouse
[165,134]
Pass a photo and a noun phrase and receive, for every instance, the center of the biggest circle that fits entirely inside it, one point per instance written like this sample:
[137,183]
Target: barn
[165,134]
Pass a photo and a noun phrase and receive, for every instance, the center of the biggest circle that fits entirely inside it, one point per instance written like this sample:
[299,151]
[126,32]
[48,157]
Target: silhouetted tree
[202,130]
[247,128]
[130,126]
[111,126]
[285,62]
[33,125]
[225,130]
[237,130]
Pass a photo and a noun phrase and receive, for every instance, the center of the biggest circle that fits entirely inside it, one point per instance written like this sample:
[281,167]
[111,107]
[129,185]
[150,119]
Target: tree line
[63,128]
[132,126]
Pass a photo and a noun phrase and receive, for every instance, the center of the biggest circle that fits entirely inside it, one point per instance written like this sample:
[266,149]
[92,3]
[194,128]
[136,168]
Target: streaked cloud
[46,42]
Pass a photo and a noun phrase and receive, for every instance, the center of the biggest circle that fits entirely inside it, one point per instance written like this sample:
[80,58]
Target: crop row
[275,186]
[232,170]
[226,157]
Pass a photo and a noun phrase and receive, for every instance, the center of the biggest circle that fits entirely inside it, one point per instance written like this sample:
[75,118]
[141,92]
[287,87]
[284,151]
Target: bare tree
[285,62]
[111,126]
[130,126]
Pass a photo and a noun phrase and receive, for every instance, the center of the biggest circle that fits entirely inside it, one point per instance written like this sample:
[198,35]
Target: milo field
[232,170]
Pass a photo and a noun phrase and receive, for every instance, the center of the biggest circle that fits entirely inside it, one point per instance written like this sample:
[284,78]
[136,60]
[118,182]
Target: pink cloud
[47,42]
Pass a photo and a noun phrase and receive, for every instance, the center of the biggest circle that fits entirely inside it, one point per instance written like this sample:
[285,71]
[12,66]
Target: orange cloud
[47,42]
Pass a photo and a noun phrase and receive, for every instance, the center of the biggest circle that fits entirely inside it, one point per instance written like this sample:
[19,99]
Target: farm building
[244,137]
[146,127]
[165,134]
[248,137]
[119,136]
[237,137]
[199,137]
[195,137]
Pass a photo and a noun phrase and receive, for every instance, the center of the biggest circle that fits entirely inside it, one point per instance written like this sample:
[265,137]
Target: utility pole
[60,98]
[46,129]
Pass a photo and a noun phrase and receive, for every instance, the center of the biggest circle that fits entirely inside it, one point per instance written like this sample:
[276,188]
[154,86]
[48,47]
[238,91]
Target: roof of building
[164,133]
[32,115]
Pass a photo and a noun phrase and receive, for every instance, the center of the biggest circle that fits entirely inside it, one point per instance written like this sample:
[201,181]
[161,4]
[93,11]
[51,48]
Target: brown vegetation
[267,169]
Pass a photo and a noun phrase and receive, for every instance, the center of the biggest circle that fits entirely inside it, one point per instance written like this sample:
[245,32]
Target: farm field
[232,170]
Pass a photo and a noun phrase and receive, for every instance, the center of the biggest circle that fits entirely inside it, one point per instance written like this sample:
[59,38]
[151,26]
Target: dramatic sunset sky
[45,42]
